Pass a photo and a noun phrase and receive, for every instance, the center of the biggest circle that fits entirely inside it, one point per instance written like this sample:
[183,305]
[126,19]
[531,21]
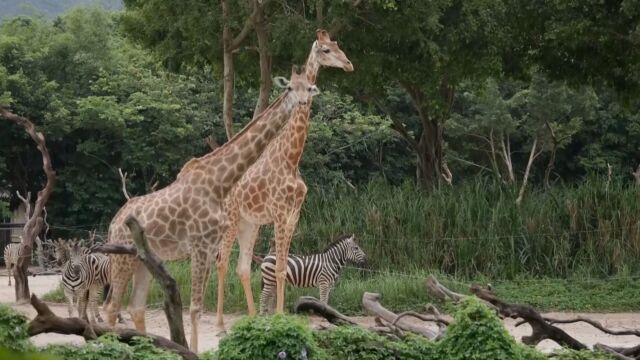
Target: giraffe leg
[122,267]
[247,235]
[138,301]
[222,261]
[200,271]
[283,232]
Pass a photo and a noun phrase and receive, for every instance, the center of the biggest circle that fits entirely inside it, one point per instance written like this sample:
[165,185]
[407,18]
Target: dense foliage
[269,337]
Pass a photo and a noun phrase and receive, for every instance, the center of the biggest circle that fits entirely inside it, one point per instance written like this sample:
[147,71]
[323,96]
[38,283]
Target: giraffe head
[298,90]
[328,53]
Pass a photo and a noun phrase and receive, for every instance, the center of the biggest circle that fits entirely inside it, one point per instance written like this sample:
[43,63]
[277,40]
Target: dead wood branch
[172,301]
[123,179]
[309,303]
[114,249]
[636,175]
[434,319]
[541,330]
[593,323]
[630,353]
[34,222]
[441,292]
[46,321]
[371,302]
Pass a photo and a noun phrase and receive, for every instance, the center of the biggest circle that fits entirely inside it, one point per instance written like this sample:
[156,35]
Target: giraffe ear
[313,90]
[323,35]
[281,82]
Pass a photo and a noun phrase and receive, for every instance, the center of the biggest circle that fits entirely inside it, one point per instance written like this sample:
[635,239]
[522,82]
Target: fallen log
[309,303]
[371,302]
[46,321]
[541,330]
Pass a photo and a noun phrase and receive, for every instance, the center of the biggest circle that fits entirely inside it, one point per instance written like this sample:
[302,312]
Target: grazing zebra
[83,275]
[11,256]
[318,270]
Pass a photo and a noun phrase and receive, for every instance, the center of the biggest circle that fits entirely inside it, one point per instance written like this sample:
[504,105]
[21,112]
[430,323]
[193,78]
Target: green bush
[269,337]
[357,343]
[108,347]
[477,333]
[13,331]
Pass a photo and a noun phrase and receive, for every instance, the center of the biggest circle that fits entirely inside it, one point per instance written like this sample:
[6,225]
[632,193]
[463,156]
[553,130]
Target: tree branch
[172,301]
[46,321]
[123,179]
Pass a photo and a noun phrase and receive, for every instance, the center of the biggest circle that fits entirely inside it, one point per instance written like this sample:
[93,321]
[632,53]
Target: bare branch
[593,323]
[46,321]
[371,302]
[123,179]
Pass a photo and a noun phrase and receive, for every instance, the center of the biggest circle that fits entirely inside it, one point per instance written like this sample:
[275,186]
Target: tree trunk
[262,33]
[525,178]
[228,72]
[34,222]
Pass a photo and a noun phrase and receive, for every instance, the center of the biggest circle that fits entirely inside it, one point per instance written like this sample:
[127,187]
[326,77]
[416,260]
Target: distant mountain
[50,8]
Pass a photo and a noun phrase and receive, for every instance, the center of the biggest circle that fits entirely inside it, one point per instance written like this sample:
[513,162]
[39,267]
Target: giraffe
[271,191]
[186,219]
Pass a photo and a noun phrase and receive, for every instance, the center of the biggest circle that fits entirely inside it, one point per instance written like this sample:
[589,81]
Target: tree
[422,51]
[175,29]
[589,42]
[103,103]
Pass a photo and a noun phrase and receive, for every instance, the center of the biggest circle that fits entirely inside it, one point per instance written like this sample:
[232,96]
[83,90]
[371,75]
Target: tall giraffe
[271,191]
[186,219]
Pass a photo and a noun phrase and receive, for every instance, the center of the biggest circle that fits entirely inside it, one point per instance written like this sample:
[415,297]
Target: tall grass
[475,228]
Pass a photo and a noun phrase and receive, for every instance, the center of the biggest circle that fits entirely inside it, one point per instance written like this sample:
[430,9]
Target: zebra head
[60,252]
[353,252]
[76,252]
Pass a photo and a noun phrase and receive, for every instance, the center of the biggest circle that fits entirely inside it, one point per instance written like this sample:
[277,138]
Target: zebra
[11,256]
[318,270]
[83,277]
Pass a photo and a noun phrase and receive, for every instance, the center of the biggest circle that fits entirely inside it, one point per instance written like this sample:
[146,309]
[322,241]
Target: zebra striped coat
[84,274]
[11,256]
[318,270]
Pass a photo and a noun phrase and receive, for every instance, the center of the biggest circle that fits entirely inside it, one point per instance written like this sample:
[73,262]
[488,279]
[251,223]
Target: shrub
[269,337]
[108,347]
[357,343]
[13,331]
[477,333]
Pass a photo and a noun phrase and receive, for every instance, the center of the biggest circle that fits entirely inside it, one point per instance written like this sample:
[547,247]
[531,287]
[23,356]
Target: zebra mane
[339,240]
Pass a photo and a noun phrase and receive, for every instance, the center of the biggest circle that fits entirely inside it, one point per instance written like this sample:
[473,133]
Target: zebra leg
[69,295]
[138,301]
[83,298]
[94,295]
[247,235]
[266,299]
[325,289]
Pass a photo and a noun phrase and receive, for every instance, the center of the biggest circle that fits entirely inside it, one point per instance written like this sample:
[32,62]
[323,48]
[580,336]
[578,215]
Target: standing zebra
[83,274]
[11,256]
[318,270]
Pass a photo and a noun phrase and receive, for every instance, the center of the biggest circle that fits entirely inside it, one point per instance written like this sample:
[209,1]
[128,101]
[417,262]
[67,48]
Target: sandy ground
[208,338]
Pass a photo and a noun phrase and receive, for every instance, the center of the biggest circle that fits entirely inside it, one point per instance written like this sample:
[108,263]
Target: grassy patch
[402,291]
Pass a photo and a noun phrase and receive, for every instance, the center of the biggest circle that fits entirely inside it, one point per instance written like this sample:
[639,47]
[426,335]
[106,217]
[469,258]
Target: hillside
[49,8]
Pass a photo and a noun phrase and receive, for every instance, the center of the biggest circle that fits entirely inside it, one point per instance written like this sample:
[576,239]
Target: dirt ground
[208,338]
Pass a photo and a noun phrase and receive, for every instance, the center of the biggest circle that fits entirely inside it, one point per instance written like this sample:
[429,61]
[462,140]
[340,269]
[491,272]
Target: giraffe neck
[312,66]
[290,142]
[224,166]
